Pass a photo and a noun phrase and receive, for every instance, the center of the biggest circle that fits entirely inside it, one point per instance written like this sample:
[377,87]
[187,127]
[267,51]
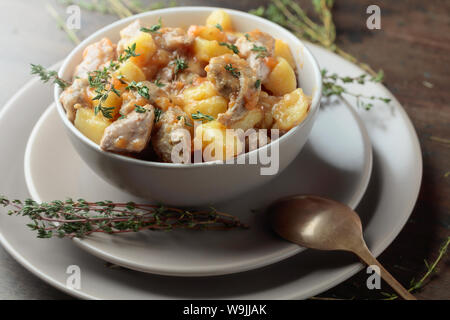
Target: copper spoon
[323,224]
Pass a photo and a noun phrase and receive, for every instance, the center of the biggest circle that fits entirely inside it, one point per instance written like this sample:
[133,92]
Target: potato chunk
[145,48]
[207,33]
[282,50]
[130,72]
[291,110]
[91,125]
[220,17]
[204,98]
[215,143]
[282,79]
[250,120]
[112,101]
[207,49]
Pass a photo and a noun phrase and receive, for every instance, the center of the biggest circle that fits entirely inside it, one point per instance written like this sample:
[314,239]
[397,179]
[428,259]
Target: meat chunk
[171,130]
[94,56]
[233,78]
[130,99]
[130,134]
[154,95]
[172,39]
[127,34]
[254,48]
[74,97]
[246,44]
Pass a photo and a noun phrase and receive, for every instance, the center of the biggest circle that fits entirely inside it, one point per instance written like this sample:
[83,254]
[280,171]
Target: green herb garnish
[128,53]
[235,73]
[201,116]
[106,111]
[154,28]
[81,218]
[47,75]
[158,113]
[185,121]
[257,84]
[230,46]
[100,81]
[139,109]
[180,64]
[159,84]
[122,116]
[259,48]
[141,89]
[218,26]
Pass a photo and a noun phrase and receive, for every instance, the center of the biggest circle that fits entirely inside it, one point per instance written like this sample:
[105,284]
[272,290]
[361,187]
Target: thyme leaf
[140,87]
[234,71]
[153,28]
[230,46]
[180,65]
[201,116]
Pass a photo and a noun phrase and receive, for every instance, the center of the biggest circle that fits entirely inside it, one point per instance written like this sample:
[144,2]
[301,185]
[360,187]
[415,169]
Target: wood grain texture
[413,49]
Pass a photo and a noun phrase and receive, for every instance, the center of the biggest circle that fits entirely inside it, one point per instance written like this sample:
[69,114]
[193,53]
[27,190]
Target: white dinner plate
[336,163]
[384,210]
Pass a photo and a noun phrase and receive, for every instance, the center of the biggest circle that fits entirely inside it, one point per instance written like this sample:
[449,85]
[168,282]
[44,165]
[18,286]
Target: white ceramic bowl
[197,183]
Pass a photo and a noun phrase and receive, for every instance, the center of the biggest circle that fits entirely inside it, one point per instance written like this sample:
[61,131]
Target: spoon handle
[365,255]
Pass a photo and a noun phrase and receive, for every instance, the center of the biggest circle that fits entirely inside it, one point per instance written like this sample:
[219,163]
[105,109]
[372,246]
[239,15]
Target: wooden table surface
[413,49]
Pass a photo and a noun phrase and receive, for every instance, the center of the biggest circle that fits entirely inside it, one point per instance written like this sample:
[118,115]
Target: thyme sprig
[120,8]
[333,86]
[154,28]
[234,71]
[62,24]
[180,65]
[139,109]
[430,270]
[100,81]
[159,84]
[47,75]
[230,46]
[292,16]
[128,53]
[81,218]
[201,116]
[140,87]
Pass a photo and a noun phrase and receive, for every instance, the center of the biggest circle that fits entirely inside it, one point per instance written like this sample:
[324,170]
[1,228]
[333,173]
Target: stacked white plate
[237,264]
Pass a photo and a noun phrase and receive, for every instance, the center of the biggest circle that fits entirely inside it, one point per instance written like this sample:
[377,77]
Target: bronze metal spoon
[323,224]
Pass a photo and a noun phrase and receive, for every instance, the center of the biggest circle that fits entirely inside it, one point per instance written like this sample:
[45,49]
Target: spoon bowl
[319,223]
[315,222]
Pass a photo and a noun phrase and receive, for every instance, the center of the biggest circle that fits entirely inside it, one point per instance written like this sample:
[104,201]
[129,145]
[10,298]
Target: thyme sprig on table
[415,285]
[292,16]
[333,86]
[430,270]
[81,218]
[120,8]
